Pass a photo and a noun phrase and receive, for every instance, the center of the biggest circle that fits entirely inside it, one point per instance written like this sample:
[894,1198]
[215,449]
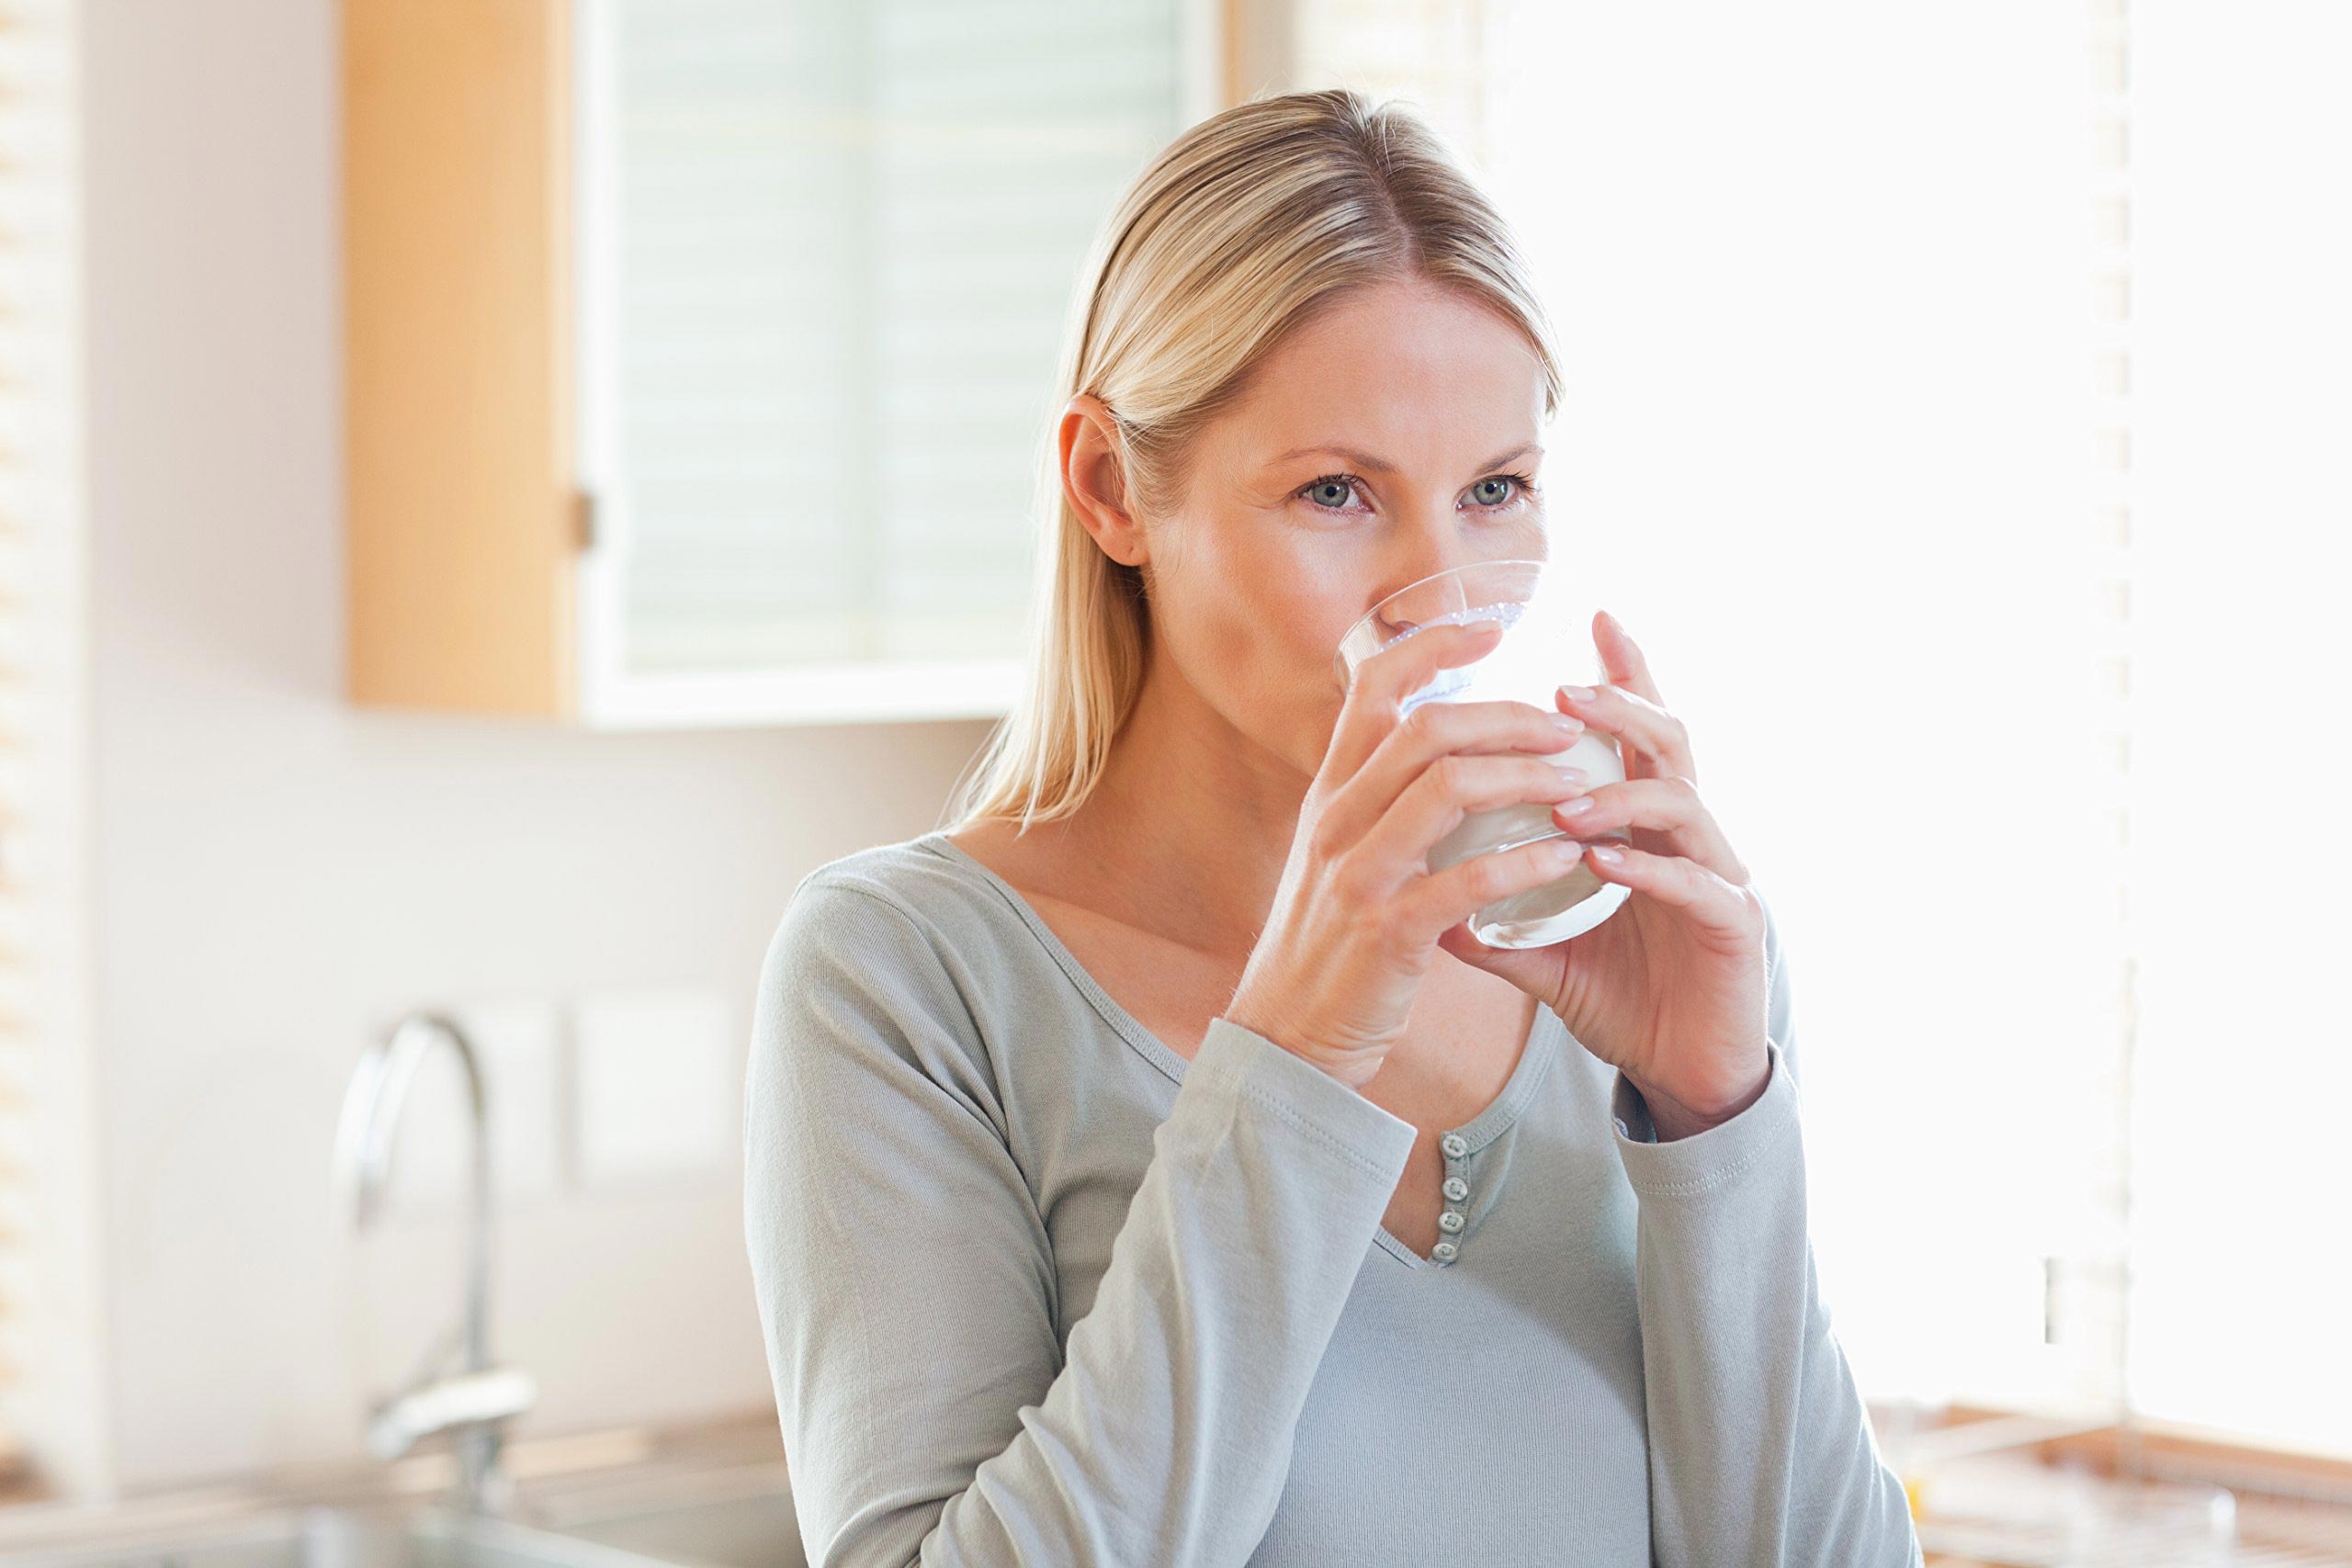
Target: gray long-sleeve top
[1036,1290]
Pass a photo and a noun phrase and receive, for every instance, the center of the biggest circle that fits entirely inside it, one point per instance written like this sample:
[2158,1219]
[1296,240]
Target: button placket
[1454,1146]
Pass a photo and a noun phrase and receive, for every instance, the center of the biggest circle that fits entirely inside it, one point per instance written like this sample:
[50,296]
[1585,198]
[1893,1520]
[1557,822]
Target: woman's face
[1394,435]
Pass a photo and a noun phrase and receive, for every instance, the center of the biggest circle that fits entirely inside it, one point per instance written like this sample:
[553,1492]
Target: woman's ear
[1094,478]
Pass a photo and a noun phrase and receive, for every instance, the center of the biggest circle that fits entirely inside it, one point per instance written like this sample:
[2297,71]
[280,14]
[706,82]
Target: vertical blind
[1443,56]
[2241,493]
[846,238]
[41,1156]
[1968,472]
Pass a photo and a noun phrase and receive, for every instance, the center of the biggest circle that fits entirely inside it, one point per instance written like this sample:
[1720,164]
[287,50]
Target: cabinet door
[827,249]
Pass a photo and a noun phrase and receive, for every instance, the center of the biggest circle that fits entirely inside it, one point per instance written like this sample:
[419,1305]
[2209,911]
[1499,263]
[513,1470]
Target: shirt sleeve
[908,1297]
[1760,1447]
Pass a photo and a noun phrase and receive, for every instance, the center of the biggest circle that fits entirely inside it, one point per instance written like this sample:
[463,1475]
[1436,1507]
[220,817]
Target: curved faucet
[473,1402]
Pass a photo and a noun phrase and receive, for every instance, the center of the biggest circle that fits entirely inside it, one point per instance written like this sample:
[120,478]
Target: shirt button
[1444,1251]
[1448,1221]
[1454,1145]
[1456,1188]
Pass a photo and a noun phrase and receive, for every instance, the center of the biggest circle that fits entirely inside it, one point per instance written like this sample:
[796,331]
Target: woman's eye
[1492,492]
[1333,494]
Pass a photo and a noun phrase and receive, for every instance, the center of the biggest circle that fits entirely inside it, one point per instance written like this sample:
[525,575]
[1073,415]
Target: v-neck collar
[1535,1052]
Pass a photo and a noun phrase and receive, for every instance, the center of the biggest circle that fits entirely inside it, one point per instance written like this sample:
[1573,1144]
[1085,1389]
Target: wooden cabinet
[700,356]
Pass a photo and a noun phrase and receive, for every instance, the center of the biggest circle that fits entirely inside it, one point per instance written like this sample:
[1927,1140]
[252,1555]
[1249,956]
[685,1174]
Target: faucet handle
[463,1399]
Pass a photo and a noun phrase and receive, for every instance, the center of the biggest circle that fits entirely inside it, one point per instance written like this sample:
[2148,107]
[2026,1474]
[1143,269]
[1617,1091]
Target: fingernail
[1581,803]
[1568,722]
[1577,693]
[1606,855]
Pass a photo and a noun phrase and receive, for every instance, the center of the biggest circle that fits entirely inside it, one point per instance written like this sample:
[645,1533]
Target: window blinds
[46,1233]
[1439,54]
[1977,479]
[1830,447]
[2241,508]
[845,238]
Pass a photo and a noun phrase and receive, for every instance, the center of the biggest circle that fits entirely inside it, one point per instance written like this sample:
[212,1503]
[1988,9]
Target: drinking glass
[1546,643]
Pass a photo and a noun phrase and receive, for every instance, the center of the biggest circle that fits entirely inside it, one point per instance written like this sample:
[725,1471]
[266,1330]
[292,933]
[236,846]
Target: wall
[275,874]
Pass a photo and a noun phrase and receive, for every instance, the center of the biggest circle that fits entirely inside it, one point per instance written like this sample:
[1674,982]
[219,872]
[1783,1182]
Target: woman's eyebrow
[1525,449]
[1371,464]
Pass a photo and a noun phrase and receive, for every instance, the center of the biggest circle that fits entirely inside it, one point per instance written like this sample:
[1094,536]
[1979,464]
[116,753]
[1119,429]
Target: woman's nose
[1409,609]
[1427,559]
[1414,551]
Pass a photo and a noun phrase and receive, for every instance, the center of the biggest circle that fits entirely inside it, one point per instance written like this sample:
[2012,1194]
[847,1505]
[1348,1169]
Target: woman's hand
[1671,988]
[1357,916]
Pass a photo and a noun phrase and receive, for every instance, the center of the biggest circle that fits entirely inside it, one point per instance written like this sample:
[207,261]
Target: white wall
[277,874]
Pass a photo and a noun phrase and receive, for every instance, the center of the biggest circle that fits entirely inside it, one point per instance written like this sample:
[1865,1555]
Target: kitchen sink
[741,1519]
[711,1495]
[740,1526]
[345,1537]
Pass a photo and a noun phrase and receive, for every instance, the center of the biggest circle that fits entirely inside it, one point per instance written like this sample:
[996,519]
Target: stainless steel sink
[737,1518]
[709,1495]
[346,1537]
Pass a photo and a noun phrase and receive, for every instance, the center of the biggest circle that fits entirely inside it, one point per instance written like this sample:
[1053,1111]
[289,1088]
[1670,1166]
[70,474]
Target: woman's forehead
[1412,373]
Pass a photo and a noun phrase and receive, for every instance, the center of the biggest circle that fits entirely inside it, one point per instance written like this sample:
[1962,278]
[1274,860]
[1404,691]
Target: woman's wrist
[1674,1118]
[1354,1073]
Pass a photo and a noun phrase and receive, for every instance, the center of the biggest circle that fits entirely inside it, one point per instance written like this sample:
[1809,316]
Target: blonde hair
[1241,227]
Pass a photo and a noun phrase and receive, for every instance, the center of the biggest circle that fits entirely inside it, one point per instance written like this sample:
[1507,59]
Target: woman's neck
[1191,823]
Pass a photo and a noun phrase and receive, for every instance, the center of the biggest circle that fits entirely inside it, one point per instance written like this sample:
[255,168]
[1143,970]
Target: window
[2241,169]
[1956,413]
[829,252]
[50,1354]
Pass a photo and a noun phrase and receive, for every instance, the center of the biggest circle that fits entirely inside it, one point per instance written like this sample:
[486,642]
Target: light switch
[656,1082]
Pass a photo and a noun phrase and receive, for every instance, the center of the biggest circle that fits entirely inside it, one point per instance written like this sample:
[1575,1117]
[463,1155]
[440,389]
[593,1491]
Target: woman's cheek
[1302,686]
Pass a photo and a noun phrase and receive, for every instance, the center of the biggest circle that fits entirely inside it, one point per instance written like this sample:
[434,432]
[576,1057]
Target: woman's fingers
[1435,730]
[1395,782]
[1715,905]
[1623,659]
[1656,743]
[1451,788]
[1670,808]
[1535,970]
[1443,898]
[1374,702]
[1702,872]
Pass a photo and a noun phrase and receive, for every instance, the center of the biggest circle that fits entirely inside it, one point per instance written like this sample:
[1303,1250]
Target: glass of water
[1546,644]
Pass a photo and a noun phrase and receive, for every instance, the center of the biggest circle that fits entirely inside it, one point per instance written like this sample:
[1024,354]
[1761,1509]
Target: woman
[1149,1167]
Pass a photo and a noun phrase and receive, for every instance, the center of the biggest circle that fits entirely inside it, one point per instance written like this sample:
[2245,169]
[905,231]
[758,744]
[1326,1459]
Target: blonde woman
[1147,1167]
